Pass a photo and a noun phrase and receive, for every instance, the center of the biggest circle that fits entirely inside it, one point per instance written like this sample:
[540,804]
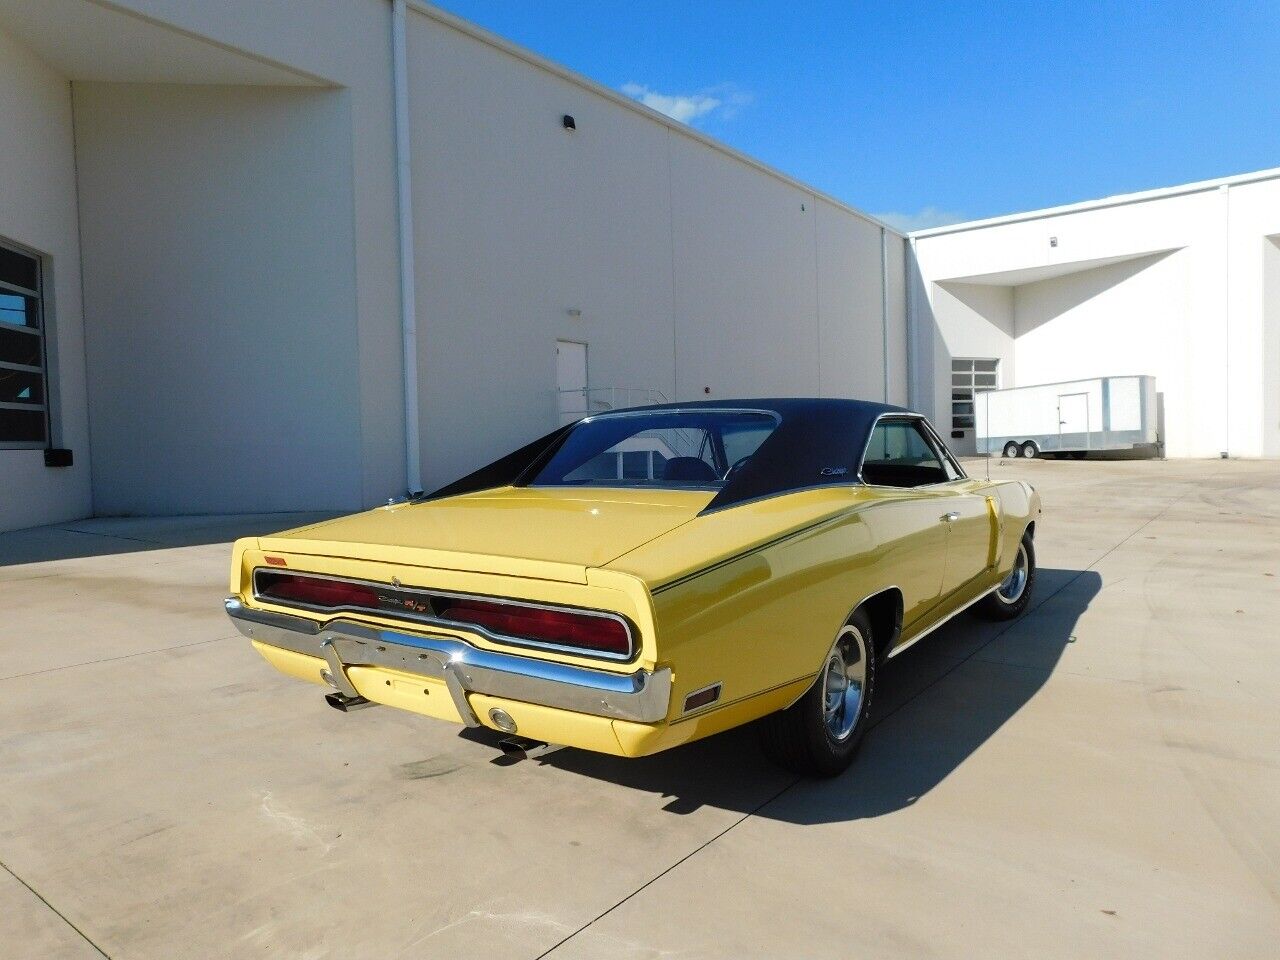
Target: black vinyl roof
[818,441]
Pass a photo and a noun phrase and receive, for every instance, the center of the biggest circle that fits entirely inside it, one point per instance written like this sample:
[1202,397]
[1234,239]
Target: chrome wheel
[844,680]
[1011,588]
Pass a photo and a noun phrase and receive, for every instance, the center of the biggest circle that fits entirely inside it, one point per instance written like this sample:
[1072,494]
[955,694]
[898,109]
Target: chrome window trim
[929,433]
[500,638]
[653,411]
[643,696]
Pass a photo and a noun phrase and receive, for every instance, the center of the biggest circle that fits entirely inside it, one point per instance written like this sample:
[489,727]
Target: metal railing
[576,404]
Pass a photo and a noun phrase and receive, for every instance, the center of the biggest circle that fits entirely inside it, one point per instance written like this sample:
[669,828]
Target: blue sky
[937,112]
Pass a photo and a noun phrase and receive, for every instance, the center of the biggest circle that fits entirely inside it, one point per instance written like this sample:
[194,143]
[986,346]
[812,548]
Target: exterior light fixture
[568,122]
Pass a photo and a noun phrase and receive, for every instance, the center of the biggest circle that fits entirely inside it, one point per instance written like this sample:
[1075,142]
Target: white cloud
[922,219]
[723,101]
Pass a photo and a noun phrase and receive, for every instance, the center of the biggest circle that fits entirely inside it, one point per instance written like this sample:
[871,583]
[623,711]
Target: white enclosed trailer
[1077,417]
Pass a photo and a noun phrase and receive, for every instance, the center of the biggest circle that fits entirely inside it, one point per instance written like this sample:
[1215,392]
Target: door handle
[950,517]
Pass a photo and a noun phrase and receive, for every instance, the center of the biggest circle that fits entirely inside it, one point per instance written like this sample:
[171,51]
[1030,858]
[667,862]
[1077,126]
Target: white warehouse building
[1182,284]
[308,254]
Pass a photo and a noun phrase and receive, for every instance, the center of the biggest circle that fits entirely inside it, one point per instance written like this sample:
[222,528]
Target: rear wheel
[1011,450]
[819,734]
[1013,595]
[1030,450]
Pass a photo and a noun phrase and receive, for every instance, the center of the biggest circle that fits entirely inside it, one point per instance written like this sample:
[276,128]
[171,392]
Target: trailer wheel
[1030,450]
[1011,450]
[1078,454]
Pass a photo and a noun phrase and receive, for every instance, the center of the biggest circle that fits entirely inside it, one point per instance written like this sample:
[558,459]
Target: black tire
[1029,450]
[1001,604]
[801,738]
[1078,454]
[1012,451]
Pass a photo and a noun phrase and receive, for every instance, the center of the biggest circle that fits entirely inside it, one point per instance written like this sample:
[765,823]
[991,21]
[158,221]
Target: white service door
[1073,417]
[571,378]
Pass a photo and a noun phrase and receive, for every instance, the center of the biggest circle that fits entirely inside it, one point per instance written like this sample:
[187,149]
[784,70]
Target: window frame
[41,332]
[971,388]
[931,439]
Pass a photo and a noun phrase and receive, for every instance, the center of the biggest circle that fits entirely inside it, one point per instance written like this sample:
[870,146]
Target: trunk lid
[548,533]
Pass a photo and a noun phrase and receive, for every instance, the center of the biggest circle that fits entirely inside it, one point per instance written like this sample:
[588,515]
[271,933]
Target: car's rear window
[663,449]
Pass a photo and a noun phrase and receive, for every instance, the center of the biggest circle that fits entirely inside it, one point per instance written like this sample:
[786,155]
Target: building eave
[1119,200]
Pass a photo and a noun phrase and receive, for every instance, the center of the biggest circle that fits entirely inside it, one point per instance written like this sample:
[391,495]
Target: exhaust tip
[502,720]
[340,701]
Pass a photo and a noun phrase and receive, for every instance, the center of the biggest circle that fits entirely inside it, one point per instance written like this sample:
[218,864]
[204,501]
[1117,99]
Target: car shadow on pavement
[935,705]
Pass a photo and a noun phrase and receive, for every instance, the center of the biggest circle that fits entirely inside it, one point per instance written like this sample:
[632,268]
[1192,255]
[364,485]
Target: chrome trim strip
[463,625]
[643,696]
[928,630]
[659,411]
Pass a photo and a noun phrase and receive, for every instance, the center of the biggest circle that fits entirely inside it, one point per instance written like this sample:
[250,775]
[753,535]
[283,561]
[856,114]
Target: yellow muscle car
[644,578]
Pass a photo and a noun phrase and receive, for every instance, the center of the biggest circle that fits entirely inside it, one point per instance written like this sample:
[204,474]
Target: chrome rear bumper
[643,696]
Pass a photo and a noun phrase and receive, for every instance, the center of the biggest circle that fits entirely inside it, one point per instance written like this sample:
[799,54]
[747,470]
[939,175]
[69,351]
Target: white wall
[345,43]
[896,302]
[219,280]
[853,342]
[1253,334]
[1170,285]
[691,269]
[1269,408]
[38,210]
[518,221]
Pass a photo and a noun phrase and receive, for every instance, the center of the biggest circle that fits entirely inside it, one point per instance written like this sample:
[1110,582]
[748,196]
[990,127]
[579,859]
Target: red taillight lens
[314,592]
[600,634]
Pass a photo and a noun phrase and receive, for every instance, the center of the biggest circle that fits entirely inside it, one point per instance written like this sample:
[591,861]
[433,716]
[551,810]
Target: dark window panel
[21,426]
[19,347]
[19,269]
[17,386]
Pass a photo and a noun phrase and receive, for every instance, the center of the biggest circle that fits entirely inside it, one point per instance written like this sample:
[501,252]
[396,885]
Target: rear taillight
[559,627]
[598,633]
[314,592]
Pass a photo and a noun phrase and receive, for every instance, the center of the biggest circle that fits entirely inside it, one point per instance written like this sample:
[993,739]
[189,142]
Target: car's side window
[900,455]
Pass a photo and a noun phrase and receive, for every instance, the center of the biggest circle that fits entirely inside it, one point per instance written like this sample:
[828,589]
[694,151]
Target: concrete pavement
[1100,778]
